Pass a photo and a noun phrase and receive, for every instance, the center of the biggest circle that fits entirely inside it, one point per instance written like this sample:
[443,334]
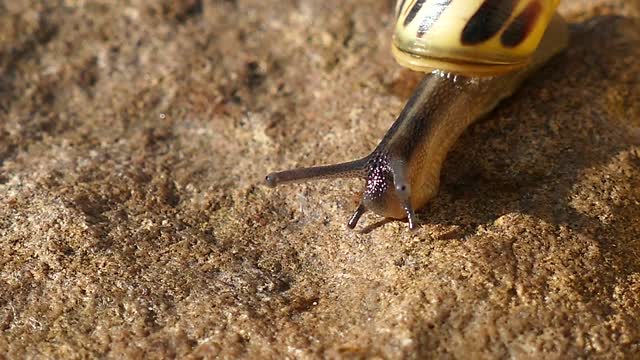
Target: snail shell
[502,41]
[469,37]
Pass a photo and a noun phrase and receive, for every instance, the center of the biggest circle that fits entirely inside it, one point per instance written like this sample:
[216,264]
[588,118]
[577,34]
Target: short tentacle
[403,190]
[353,220]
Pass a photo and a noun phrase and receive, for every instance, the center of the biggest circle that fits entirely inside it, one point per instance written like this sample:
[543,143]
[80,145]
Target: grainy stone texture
[134,136]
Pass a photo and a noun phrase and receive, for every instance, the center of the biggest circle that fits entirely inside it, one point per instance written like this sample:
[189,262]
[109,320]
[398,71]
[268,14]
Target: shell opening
[470,69]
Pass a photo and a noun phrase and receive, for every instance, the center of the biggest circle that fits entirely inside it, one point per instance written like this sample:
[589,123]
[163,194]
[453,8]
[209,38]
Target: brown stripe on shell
[522,25]
[414,11]
[487,21]
[433,15]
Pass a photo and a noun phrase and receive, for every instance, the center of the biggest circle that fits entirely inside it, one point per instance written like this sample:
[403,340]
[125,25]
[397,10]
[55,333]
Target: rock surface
[134,138]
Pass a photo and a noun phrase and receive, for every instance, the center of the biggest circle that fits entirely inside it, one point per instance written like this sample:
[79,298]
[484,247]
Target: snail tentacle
[353,220]
[349,169]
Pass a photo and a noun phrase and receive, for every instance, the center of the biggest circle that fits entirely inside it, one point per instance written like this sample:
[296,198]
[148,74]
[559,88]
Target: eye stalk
[350,169]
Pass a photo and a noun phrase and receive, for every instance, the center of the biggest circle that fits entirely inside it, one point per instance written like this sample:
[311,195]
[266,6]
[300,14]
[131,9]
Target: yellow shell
[469,37]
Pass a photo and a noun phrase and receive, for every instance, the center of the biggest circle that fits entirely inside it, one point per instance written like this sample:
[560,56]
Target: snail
[476,53]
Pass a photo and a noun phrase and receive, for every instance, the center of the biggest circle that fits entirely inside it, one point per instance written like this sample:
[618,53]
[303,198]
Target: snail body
[403,172]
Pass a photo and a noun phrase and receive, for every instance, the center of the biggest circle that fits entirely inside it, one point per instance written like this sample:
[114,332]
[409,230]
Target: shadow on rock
[577,115]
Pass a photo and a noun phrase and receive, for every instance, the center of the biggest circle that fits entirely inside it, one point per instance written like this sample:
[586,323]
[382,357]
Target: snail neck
[440,110]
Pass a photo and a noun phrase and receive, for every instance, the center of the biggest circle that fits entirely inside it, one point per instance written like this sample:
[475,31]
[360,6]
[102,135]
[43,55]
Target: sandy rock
[134,139]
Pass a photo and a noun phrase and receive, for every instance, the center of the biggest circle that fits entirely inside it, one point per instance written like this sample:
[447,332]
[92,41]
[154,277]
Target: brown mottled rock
[134,137]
